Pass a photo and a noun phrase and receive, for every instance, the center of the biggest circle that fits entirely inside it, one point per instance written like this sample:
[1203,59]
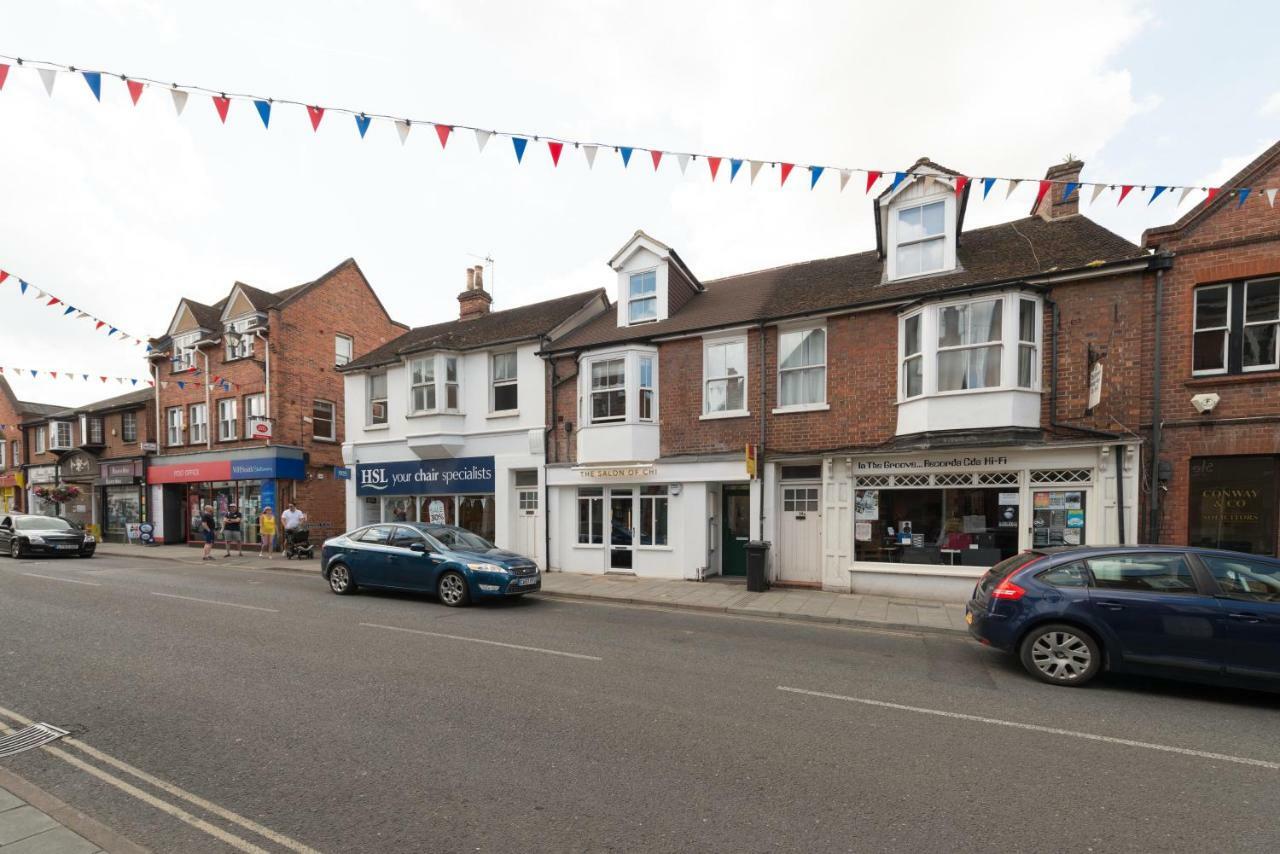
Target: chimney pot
[479,277]
[471,278]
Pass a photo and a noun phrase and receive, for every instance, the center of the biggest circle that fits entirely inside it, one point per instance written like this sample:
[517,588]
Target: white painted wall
[970,410]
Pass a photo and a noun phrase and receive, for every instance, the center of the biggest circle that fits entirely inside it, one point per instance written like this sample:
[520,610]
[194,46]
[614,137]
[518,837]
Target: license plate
[968,618]
[68,548]
[526,582]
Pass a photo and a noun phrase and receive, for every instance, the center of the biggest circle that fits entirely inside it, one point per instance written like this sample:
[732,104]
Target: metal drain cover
[29,738]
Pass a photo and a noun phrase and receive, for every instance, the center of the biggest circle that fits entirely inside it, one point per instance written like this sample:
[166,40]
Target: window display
[969,527]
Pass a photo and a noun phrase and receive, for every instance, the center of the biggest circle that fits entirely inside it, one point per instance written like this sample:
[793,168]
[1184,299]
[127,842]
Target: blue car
[1186,613]
[453,563]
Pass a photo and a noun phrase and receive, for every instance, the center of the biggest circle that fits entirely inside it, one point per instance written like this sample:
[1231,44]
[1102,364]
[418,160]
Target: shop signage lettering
[618,472]
[1229,505]
[259,468]
[426,477]
[920,465]
[42,474]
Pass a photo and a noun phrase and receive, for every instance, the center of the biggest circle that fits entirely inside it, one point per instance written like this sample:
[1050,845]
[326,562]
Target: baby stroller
[297,543]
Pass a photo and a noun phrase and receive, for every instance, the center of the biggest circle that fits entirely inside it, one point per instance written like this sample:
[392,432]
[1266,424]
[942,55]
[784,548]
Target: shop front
[251,482]
[1234,503]
[10,490]
[453,491]
[121,497]
[40,481]
[927,525]
[78,476]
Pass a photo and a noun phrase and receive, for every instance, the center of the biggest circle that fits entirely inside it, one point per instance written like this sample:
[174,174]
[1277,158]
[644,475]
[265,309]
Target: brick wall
[112,431]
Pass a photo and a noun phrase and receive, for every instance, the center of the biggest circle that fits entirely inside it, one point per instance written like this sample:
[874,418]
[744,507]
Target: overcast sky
[121,209]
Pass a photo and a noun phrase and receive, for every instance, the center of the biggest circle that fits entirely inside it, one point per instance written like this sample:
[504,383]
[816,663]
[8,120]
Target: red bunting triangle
[657,158]
[4,72]
[100,324]
[3,275]
[316,114]
[555,148]
[1124,191]
[53,301]
[786,170]
[222,103]
[443,132]
[961,183]
[872,177]
[104,379]
[1213,191]
[135,90]
[1044,188]
[53,374]
[714,163]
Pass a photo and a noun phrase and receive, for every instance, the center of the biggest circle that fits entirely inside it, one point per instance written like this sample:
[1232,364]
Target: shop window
[198,423]
[724,376]
[129,426]
[343,349]
[437,510]
[324,421]
[1058,517]
[505,388]
[608,390]
[966,526]
[653,516]
[173,425]
[802,368]
[642,297]
[400,510]
[255,410]
[477,514]
[591,516]
[227,420]
[1233,503]
[376,412]
[1236,327]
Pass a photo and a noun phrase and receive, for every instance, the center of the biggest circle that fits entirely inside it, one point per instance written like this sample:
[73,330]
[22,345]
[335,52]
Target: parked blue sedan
[1186,613]
[453,563]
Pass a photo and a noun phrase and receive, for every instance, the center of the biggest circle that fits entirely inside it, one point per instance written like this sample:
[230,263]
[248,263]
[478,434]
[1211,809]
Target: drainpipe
[1161,262]
[546,450]
[760,447]
[266,372]
[1119,451]
[208,411]
[160,442]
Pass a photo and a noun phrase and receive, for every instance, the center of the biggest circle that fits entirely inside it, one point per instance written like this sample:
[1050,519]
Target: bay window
[642,297]
[802,367]
[1236,327]
[969,345]
[618,388]
[506,397]
[434,384]
[912,357]
[60,436]
[451,398]
[724,376]
[422,384]
[608,390]
[646,388]
[1028,337]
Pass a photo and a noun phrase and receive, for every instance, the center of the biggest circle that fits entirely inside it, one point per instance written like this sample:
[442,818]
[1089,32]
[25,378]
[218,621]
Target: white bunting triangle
[683,160]
[1271,197]
[1013,185]
[179,100]
[402,128]
[47,76]
[844,177]
[1097,191]
[755,169]
[40,294]
[482,139]
[590,152]
[1186,191]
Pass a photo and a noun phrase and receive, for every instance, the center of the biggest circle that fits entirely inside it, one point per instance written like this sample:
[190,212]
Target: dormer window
[922,235]
[642,297]
[240,337]
[184,352]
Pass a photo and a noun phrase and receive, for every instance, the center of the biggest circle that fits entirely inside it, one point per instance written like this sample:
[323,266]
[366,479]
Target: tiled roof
[40,410]
[998,253]
[514,324]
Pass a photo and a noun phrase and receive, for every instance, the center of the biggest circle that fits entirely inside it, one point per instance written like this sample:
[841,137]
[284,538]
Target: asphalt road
[217,709]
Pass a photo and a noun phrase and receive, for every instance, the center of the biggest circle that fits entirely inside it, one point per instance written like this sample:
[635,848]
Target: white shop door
[800,552]
[525,524]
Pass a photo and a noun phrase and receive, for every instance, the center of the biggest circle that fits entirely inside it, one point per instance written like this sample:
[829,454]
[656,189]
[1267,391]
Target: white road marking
[56,578]
[486,642]
[215,602]
[1088,736]
[232,840]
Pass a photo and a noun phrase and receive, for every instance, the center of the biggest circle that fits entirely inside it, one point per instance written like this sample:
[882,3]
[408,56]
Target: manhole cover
[29,738]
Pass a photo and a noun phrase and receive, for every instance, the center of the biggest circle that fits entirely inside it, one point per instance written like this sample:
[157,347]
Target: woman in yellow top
[267,527]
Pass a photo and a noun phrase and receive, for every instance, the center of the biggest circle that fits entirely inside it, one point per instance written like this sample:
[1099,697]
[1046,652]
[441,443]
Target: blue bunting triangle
[897,179]
[181,384]
[519,143]
[734,166]
[815,172]
[33,373]
[1244,194]
[85,377]
[987,184]
[22,285]
[94,79]
[264,110]
[134,380]
[1071,188]
[362,122]
[70,309]
[626,156]
[1156,194]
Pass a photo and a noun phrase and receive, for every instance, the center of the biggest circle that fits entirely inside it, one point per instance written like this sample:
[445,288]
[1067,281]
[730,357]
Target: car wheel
[15,548]
[340,580]
[1061,655]
[452,589]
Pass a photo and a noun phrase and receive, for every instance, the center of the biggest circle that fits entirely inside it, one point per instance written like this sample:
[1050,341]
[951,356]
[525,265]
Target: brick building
[929,414]
[249,404]
[14,413]
[1216,387]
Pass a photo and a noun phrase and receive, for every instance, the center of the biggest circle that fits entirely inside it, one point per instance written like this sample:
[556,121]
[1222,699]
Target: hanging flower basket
[59,494]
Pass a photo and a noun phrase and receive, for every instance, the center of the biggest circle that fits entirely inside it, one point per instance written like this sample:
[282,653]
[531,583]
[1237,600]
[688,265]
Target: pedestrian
[267,525]
[231,530]
[292,518]
[207,525]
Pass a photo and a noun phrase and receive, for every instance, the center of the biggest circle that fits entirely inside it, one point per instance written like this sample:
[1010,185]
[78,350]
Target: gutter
[546,448]
[1161,262]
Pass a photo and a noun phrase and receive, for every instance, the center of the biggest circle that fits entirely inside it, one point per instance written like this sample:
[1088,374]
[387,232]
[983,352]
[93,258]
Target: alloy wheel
[339,578]
[1061,656]
[15,548]
[453,589]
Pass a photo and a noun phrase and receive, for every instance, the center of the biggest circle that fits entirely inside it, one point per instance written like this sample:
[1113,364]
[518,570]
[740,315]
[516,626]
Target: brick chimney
[474,301]
[1052,206]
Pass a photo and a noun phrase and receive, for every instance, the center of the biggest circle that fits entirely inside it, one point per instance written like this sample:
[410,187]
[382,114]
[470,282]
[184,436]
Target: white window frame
[228,429]
[17,452]
[239,342]
[508,382]
[646,394]
[904,357]
[632,390]
[430,394]
[1245,323]
[57,441]
[447,359]
[4,454]
[1032,344]
[651,296]
[254,402]
[129,424]
[197,424]
[173,428]
[372,402]
[184,352]
[591,495]
[592,391]
[94,424]
[41,439]
[941,238]
[997,344]
[638,514]
[710,343]
[333,420]
[808,406]
[436,387]
[341,358]
[1225,328]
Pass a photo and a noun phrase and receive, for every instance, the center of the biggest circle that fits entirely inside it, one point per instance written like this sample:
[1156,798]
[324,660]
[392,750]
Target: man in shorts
[231,531]
[207,525]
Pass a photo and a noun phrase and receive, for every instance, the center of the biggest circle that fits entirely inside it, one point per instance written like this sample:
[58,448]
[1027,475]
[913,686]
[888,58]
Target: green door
[736,530]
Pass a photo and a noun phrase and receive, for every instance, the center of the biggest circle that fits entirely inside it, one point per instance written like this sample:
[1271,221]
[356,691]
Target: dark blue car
[453,563]
[1186,613]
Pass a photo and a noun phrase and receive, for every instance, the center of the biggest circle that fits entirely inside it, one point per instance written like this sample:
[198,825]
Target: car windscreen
[461,539]
[43,523]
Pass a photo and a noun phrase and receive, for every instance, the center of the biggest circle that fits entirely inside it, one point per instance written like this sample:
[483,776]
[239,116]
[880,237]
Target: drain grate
[29,738]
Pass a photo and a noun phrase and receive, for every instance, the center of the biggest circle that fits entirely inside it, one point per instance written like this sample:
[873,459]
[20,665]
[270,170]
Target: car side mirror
[418,547]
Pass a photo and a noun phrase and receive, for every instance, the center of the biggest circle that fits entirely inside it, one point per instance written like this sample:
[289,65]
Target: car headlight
[35,539]
[487,567]
[88,538]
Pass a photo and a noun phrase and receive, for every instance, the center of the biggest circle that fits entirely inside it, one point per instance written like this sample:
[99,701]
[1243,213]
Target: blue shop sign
[268,468]
[426,477]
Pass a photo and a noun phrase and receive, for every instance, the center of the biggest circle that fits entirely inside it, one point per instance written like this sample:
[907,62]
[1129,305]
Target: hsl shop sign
[426,477]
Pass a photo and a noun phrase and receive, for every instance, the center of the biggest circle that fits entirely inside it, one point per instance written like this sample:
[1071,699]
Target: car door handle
[1245,618]
[1110,606]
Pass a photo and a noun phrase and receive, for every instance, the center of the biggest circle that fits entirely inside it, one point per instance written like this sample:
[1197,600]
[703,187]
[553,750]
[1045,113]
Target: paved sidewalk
[732,598]
[34,822]
[189,554]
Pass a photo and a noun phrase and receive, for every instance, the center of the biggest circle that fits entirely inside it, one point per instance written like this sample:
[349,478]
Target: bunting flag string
[48,73]
[220,383]
[113,332]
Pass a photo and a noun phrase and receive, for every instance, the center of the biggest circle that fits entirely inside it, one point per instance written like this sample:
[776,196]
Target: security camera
[1204,403]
